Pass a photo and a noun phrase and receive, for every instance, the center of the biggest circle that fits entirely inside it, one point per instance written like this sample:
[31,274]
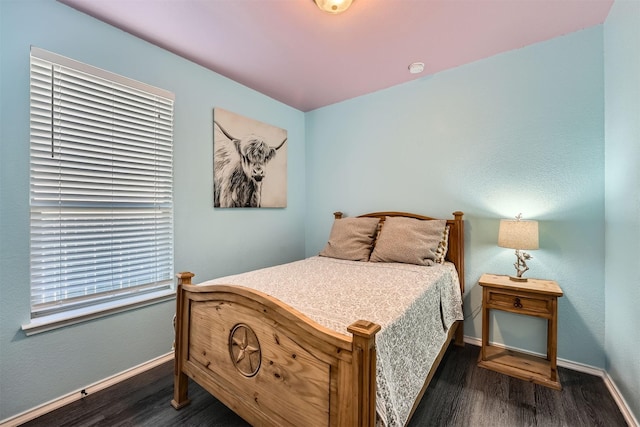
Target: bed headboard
[455,253]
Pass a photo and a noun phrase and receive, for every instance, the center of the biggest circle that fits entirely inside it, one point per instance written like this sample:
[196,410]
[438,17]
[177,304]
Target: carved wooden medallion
[244,350]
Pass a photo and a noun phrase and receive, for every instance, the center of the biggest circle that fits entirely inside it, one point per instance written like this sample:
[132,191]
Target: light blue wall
[517,132]
[209,242]
[622,198]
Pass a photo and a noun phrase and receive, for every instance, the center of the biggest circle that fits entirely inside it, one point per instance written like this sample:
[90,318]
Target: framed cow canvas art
[249,162]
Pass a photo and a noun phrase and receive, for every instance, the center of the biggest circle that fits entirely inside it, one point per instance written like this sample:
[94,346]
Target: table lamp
[518,234]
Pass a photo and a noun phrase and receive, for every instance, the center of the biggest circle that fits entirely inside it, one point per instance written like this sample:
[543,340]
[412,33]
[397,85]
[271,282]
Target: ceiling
[306,58]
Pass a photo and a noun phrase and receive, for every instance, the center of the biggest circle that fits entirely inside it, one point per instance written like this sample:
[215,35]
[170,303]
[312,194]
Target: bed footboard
[266,361]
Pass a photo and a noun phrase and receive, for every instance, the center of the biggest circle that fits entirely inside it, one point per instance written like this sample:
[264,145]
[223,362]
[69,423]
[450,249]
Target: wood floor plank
[522,401]
[460,395]
[549,409]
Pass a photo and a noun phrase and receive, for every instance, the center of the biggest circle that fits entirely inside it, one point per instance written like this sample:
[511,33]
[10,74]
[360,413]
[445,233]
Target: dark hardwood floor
[461,394]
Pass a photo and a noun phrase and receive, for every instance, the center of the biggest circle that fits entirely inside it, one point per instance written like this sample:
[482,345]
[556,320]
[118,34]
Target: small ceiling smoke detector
[416,67]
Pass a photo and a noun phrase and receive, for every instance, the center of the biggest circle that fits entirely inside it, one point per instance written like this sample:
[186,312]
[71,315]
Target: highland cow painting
[249,162]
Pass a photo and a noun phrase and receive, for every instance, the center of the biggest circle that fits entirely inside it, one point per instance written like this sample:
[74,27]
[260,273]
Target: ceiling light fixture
[333,6]
[416,67]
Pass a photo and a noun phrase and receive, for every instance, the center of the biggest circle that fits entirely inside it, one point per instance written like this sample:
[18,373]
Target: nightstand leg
[485,326]
[552,340]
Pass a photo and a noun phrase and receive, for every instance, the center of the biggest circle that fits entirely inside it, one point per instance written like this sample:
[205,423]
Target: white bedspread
[415,306]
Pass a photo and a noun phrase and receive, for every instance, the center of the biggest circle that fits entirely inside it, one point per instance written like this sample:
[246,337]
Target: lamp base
[518,279]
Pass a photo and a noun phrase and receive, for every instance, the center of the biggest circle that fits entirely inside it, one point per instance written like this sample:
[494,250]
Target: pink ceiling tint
[293,52]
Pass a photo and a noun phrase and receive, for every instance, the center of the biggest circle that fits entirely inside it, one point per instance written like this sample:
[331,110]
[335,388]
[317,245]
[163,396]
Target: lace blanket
[414,305]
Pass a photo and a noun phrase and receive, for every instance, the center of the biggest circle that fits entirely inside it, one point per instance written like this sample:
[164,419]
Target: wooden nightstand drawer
[519,303]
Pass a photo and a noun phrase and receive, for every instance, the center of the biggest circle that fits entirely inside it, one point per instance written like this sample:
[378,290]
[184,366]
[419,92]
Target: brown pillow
[351,239]
[408,240]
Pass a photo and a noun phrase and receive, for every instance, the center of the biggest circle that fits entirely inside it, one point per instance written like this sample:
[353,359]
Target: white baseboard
[622,403]
[580,367]
[54,404]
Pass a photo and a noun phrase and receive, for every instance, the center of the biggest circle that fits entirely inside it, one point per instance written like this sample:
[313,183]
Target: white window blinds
[101,185]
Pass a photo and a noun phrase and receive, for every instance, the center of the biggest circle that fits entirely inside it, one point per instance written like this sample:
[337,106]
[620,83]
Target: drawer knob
[517,303]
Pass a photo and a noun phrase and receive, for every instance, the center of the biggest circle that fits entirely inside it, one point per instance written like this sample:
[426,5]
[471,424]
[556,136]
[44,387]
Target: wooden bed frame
[274,366]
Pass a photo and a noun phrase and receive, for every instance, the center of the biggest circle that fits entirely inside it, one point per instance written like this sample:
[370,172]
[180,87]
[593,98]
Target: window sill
[72,317]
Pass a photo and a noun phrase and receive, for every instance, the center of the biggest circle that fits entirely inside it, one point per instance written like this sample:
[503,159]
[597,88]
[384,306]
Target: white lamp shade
[516,234]
[333,6]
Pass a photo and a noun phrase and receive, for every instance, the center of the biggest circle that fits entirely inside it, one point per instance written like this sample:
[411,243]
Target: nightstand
[534,297]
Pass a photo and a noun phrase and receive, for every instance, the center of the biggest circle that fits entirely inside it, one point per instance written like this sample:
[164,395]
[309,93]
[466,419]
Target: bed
[276,358]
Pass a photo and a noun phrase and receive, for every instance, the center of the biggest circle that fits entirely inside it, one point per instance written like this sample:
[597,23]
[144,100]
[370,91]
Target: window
[101,188]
